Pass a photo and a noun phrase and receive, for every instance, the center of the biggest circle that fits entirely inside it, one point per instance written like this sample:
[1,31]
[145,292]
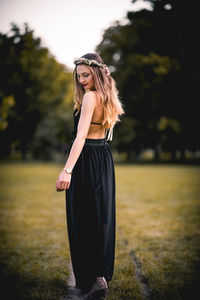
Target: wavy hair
[105,85]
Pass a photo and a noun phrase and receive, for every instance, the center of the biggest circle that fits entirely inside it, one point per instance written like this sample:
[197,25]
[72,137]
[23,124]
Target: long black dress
[91,215]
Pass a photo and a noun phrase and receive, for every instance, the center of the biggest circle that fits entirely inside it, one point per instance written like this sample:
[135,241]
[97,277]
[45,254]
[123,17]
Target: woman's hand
[63,181]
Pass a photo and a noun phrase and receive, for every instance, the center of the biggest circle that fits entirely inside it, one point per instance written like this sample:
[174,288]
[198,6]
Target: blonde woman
[89,176]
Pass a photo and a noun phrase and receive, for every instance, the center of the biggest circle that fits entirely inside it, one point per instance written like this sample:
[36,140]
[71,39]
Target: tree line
[155,61]
[36,95]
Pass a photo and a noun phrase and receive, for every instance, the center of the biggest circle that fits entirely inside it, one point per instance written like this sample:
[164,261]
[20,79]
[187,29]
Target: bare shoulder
[90,96]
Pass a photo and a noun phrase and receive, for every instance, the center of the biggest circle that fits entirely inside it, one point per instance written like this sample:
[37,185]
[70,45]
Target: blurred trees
[35,96]
[155,61]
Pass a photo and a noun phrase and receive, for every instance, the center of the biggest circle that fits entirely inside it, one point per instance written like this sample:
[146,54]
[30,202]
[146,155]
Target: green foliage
[155,61]
[40,85]
[7,103]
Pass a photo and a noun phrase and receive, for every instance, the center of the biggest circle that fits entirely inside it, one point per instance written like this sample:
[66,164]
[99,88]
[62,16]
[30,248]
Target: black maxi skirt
[91,215]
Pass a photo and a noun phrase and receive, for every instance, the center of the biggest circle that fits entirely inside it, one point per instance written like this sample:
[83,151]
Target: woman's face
[85,77]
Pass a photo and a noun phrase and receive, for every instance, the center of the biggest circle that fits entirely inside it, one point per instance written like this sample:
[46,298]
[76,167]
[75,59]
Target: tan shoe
[98,290]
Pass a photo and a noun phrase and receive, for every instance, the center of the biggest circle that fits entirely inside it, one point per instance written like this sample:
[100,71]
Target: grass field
[158,232]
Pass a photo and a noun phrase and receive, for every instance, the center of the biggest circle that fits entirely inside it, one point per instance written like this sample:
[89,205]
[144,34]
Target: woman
[89,176]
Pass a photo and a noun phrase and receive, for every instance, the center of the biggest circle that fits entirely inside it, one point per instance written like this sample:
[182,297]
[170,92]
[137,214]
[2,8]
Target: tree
[37,83]
[155,61]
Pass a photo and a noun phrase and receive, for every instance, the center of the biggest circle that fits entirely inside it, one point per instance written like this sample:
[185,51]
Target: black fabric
[91,215]
[96,123]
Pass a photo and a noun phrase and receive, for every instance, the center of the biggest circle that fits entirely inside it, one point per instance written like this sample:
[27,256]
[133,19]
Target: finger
[68,185]
[64,185]
[59,185]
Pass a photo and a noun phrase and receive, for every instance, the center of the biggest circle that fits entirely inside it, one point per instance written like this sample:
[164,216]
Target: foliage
[7,102]
[39,85]
[155,61]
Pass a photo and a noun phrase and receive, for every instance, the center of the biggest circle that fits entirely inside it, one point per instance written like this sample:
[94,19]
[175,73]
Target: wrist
[68,170]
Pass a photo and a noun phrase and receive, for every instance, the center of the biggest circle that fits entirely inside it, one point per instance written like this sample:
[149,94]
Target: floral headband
[85,61]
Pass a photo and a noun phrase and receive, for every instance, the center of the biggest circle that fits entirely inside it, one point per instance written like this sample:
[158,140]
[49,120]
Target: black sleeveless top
[76,119]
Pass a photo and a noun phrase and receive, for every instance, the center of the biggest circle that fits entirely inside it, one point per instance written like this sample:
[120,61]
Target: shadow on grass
[18,286]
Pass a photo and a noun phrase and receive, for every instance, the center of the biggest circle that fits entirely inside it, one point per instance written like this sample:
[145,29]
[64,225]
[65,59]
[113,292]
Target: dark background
[154,59]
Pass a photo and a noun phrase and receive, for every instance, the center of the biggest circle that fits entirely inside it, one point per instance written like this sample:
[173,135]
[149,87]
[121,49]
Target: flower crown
[85,61]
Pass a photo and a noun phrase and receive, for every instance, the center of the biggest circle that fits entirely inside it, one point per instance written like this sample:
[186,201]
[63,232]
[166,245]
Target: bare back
[97,131]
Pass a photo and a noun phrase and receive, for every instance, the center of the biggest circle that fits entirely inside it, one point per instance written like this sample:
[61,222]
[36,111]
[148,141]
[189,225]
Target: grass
[158,232]
[34,248]
[158,213]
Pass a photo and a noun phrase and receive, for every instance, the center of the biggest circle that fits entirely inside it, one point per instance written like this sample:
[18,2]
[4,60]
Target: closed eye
[85,75]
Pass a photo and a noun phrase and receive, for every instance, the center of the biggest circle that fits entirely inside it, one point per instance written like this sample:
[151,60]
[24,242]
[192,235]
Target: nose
[81,80]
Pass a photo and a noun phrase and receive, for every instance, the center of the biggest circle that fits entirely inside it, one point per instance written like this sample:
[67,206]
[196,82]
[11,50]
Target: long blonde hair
[105,85]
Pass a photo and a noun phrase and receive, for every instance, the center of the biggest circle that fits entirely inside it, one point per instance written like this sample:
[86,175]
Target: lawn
[158,232]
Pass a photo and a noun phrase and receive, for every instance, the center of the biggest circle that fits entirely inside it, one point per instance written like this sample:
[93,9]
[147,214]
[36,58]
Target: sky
[69,28]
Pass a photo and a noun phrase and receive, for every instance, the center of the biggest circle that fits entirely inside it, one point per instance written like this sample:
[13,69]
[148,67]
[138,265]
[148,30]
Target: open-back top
[109,131]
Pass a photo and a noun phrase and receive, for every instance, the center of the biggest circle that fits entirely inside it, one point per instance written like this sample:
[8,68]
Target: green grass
[34,249]
[158,230]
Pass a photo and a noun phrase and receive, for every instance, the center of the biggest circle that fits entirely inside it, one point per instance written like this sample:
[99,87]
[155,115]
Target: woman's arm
[87,110]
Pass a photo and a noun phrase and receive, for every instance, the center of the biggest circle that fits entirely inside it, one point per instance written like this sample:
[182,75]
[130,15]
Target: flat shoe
[98,290]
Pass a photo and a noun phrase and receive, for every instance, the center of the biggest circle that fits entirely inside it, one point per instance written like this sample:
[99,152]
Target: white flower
[87,62]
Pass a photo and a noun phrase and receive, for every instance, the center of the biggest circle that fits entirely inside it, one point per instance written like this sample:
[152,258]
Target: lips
[84,84]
